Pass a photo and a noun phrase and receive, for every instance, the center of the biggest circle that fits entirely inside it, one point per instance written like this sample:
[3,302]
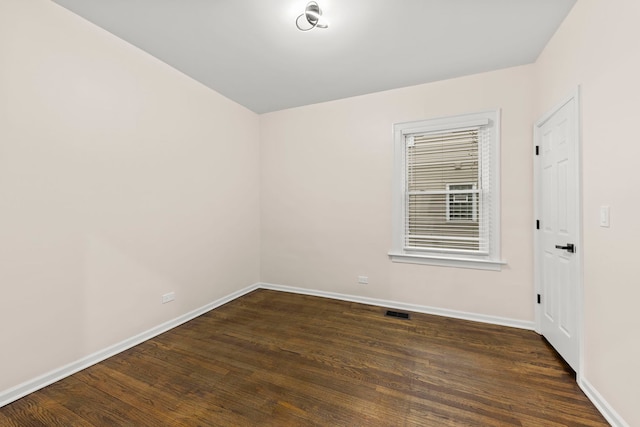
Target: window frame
[488,120]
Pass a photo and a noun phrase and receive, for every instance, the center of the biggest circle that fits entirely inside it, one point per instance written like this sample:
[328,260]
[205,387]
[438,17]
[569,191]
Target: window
[446,197]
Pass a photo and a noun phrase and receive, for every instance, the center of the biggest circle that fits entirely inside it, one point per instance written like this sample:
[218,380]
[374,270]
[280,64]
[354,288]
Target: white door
[558,267]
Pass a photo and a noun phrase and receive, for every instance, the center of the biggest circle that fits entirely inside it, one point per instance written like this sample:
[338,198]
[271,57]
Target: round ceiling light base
[311,18]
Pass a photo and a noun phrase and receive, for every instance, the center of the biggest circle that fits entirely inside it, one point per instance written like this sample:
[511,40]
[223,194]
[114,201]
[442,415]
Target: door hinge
[539,298]
[537,150]
[537,224]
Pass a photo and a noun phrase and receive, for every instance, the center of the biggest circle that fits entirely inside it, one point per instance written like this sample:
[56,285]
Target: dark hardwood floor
[273,358]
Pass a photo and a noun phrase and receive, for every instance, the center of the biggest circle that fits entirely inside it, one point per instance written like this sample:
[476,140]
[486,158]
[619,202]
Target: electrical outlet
[604,216]
[168,297]
[363,280]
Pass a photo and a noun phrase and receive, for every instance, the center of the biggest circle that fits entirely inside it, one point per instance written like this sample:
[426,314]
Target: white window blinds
[447,191]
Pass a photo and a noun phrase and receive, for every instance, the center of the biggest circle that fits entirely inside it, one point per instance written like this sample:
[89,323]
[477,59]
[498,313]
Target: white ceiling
[251,51]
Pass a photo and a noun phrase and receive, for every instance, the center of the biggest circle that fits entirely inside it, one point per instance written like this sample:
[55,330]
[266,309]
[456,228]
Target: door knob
[569,248]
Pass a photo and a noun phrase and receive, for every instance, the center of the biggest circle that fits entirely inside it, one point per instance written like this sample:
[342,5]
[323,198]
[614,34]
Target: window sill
[478,264]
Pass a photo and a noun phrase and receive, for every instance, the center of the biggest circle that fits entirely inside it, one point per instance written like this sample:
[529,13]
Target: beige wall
[597,47]
[120,180]
[326,196]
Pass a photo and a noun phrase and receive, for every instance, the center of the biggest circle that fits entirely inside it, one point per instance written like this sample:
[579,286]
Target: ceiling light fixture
[311,18]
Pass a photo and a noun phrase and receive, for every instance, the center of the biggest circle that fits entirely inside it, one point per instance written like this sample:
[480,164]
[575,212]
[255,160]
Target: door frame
[537,194]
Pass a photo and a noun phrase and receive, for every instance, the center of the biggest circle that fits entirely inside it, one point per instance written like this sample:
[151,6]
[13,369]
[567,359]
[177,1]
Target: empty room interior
[249,198]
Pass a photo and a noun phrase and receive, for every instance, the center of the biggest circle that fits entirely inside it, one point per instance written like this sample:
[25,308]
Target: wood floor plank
[40,411]
[274,358]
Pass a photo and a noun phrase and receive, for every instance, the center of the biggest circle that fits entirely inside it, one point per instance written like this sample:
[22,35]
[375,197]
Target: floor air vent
[397,314]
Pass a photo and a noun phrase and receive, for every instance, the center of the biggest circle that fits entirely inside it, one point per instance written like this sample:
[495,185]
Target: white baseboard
[495,320]
[35,384]
[44,380]
[596,398]
[601,404]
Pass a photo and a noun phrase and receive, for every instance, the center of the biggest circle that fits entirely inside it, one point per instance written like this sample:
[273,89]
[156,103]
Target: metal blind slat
[444,191]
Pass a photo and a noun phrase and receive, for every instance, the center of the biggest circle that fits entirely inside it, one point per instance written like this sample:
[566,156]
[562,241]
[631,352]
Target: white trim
[492,260]
[443,261]
[35,384]
[458,122]
[50,377]
[601,404]
[537,262]
[475,317]
[574,96]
